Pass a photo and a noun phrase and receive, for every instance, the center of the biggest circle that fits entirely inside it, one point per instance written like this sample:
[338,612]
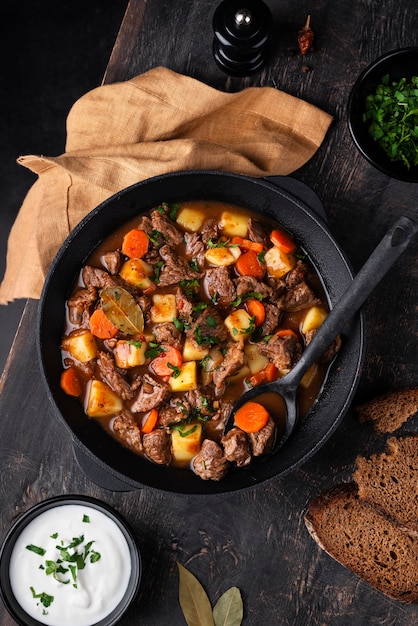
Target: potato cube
[136,272]
[234,224]
[102,401]
[308,377]
[185,442]
[190,219]
[163,308]
[210,364]
[187,379]
[223,255]
[313,319]
[243,372]
[81,345]
[191,352]
[239,324]
[279,263]
[255,361]
[130,353]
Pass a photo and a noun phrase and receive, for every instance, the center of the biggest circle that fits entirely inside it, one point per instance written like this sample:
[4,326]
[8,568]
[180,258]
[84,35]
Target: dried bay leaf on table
[229,610]
[193,599]
[122,310]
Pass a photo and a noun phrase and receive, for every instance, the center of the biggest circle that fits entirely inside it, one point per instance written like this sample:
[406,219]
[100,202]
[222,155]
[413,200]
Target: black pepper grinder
[242,29]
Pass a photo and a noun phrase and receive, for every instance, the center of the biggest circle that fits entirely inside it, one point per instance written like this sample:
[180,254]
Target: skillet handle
[394,242]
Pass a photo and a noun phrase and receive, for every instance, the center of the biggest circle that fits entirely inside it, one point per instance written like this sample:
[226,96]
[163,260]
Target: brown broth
[236,385]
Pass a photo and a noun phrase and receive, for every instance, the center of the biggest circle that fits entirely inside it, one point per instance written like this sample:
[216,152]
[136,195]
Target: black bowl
[296,208]
[398,64]
[13,606]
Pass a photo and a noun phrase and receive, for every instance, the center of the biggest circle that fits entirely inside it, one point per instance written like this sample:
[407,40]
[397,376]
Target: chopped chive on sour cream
[70,565]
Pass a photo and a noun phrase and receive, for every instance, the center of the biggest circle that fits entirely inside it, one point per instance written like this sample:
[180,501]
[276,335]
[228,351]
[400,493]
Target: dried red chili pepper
[305,37]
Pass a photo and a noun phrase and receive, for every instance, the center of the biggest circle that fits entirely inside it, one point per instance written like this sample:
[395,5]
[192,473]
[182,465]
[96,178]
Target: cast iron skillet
[298,210]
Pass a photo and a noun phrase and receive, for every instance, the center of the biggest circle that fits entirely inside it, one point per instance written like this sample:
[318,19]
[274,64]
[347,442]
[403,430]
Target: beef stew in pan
[175,316]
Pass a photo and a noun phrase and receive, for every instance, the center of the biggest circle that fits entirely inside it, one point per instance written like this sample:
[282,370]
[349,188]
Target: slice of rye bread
[390,410]
[365,542]
[389,480]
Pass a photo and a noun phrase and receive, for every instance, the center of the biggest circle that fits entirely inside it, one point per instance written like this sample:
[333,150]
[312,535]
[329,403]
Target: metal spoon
[381,260]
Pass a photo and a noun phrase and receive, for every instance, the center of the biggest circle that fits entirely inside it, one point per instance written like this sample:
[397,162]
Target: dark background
[54,52]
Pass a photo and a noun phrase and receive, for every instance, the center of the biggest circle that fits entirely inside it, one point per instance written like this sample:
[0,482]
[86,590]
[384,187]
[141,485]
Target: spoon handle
[394,242]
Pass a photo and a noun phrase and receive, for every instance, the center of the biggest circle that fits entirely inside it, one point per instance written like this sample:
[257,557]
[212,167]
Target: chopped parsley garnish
[44,599]
[193,264]
[222,243]
[190,287]
[253,295]
[176,371]
[154,350]
[181,430]
[157,271]
[156,237]
[204,339]
[36,549]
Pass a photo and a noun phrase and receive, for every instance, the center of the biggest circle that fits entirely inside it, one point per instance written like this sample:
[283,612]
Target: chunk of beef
[152,394]
[173,413]
[296,275]
[127,431]
[166,227]
[233,361]
[166,333]
[112,376]
[175,269]
[201,401]
[249,284]
[258,233]
[99,278]
[210,230]
[195,248]
[284,352]
[299,298]
[81,304]
[219,285]
[236,446]
[157,446]
[145,224]
[272,318]
[210,462]
[278,287]
[262,441]
[330,352]
[183,304]
[208,329]
[216,425]
[112,261]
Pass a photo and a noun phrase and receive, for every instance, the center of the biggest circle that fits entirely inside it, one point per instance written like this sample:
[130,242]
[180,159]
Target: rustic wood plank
[255,540]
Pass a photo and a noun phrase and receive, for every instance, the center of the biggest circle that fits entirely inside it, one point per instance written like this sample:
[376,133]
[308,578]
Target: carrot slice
[251,417]
[70,382]
[247,244]
[266,375]
[249,265]
[283,241]
[257,310]
[101,326]
[135,243]
[150,421]
[165,364]
[286,332]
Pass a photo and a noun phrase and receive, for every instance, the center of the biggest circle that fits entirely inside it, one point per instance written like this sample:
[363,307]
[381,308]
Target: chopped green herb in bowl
[392,118]
[383,114]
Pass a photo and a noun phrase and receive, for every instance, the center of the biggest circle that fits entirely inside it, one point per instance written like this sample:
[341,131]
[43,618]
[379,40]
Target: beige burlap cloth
[155,123]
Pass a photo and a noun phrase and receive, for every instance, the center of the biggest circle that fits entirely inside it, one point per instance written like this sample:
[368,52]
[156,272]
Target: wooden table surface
[256,539]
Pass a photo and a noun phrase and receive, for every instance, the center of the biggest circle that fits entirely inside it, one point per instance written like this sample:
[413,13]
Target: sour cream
[53,589]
